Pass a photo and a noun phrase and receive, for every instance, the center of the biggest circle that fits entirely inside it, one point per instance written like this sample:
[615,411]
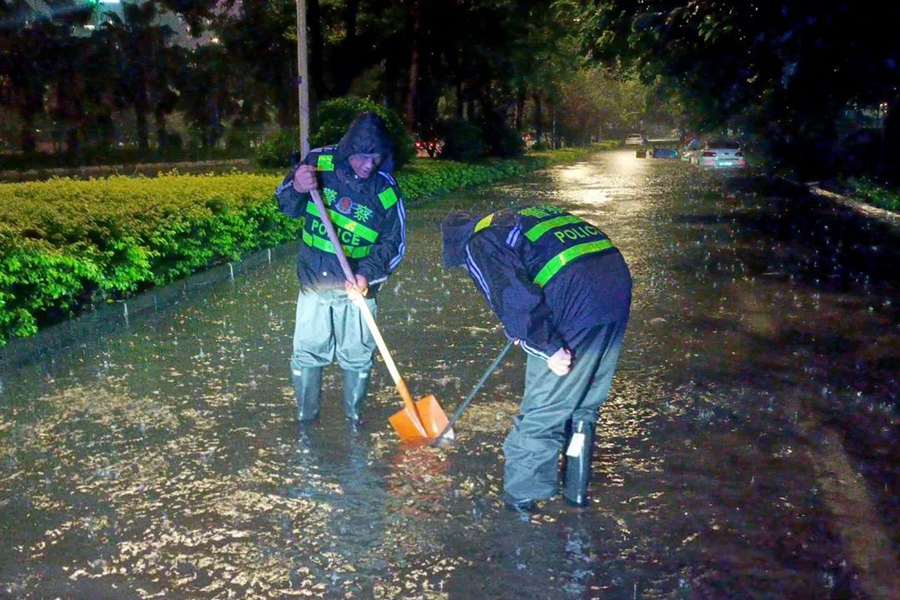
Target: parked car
[431,147]
[665,152]
[634,139]
[690,149]
[719,153]
[663,147]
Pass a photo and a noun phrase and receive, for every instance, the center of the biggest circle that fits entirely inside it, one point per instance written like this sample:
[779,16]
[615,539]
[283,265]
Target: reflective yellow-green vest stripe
[543,227]
[326,246]
[344,222]
[325,162]
[388,198]
[484,222]
[556,263]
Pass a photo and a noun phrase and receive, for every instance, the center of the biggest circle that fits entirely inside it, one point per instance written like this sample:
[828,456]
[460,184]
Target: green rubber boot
[308,387]
[356,385]
[578,463]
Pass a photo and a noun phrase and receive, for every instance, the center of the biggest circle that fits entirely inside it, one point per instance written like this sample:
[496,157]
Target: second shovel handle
[465,403]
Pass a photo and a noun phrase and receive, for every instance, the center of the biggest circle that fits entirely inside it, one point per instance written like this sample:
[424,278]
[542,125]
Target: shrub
[277,149]
[335,116]
[68,245]
[502,140]
[237,138]
[463,141]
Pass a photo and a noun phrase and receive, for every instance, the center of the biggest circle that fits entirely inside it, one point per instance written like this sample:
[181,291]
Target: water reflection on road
[748,449]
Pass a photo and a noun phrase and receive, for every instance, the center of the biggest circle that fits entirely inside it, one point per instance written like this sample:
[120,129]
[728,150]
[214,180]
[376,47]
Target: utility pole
[303,77]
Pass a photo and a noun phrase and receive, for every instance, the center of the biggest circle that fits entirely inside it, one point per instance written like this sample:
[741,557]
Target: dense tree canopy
[232,62]
[784,73]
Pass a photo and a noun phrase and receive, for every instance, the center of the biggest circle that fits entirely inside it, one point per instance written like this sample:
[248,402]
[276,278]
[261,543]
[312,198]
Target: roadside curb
[882,215]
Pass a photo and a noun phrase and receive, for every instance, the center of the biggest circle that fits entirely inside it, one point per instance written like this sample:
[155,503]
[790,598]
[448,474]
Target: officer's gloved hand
[305,179]
[561,362]
[358,291]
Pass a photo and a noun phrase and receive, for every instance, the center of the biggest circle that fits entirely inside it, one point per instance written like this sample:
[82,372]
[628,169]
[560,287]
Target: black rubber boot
[308,387]
[356,384]
[578,463]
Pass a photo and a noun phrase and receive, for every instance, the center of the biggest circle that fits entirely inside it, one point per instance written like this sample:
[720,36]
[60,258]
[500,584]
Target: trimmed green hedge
[426,178]
[67,245]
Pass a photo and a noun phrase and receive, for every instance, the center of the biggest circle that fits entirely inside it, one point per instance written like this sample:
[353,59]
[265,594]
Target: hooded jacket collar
[367,134]
[457,229]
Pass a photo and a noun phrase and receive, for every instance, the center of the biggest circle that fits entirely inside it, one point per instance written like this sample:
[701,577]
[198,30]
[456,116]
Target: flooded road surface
[749,448]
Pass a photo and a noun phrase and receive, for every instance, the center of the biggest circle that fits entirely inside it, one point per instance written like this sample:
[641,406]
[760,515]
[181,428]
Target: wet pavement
[748,448]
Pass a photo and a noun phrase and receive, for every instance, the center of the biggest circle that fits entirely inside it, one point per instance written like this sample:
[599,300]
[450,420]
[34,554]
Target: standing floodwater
[748,449]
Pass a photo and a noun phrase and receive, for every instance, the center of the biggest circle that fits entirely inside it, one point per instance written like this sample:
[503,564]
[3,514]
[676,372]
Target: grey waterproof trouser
[328,328]
[532,448]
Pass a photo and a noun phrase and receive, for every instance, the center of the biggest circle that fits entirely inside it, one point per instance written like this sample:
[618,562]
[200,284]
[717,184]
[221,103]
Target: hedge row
[66,244]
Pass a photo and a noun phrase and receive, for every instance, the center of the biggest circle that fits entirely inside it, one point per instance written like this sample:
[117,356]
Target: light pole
[303,77]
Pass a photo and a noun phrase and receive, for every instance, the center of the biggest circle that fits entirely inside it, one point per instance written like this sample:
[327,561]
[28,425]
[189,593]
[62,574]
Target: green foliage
[782,73]
[428,178]
[425,179]
[463,141]
[277,149]
[66,245]
[597,102]
[335,116]
[38,278]
[502,140]
[876,194]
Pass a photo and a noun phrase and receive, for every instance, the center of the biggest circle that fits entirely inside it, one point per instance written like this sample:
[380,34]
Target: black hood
[367,134]
[456,231]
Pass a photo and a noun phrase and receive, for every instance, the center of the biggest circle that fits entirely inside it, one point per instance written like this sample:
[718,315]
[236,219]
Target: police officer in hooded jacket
[364,204]
[562,290]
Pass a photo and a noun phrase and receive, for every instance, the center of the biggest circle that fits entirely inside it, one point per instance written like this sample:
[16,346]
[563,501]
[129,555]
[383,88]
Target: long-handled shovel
[474,391]
[423,419]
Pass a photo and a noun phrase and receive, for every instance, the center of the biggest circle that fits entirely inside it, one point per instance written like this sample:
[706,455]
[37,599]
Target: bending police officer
[563,291]
[366,208]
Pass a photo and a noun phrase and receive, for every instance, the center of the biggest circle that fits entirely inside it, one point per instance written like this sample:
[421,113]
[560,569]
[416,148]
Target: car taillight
[709,154]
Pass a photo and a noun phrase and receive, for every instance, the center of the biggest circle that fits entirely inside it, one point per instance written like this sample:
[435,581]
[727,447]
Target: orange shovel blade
[408,427]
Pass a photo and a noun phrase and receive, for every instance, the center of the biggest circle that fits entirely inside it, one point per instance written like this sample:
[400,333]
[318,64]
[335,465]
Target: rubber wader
[356,384]
[308,387]
[578,463]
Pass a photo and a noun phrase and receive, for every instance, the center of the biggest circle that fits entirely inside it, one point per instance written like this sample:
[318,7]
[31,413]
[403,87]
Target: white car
[718,154]
[690,150]
[634,139]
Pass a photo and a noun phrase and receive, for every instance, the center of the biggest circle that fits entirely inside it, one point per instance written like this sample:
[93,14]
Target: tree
[598,103]
[783,71]
[35,54]
[143,70]
[25,70]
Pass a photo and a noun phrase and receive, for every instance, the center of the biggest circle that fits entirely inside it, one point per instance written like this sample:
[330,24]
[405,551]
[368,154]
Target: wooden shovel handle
[332,235]
[367,314]
[395,374]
